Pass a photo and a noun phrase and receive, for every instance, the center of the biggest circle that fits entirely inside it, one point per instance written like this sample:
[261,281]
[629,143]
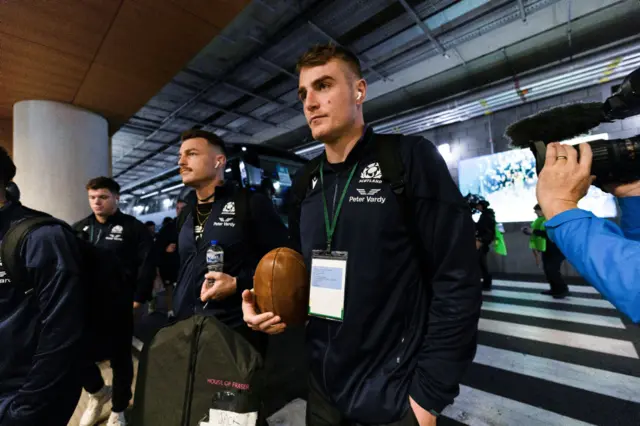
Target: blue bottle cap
[214,242]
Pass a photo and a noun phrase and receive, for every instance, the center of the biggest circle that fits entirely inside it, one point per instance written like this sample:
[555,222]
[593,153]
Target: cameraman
[606,255]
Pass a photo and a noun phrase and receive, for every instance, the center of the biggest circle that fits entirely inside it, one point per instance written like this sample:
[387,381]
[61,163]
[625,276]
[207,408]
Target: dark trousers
[64,407]
[487,279]
[121,362]
[320,411]
[552,260]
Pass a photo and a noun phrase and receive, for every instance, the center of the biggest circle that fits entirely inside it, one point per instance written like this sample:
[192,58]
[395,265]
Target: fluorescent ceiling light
[308,149]
[151,194]
[171,188]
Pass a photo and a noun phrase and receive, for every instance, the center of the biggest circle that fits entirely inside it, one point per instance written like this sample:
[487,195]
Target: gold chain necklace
[200,216]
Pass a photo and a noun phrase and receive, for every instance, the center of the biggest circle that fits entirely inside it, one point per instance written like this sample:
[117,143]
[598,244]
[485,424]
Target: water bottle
[215,259]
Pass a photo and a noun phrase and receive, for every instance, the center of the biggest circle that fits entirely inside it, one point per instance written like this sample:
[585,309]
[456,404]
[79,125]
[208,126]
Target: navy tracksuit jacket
[410,319]
[41,333]
[243,249]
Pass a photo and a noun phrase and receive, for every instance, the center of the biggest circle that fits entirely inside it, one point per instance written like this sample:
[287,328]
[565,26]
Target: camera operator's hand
[563,180]
[622,190]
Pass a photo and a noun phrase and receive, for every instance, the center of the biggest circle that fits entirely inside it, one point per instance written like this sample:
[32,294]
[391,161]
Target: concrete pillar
[57,148]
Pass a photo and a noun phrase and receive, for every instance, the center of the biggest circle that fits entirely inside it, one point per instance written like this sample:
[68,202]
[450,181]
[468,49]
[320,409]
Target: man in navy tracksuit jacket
[128,240]
[211,215]
[410,318]
[41,332]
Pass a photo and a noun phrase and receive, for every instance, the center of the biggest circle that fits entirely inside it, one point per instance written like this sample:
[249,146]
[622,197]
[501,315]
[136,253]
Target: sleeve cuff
[434,406]
[630,207]
[243,282]
[631,203]
[567,216]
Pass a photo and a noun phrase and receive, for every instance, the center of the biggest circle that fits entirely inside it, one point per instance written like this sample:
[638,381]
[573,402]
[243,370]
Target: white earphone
[359,95]
[217,164]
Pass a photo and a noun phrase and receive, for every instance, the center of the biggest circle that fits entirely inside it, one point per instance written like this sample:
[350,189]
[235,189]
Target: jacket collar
[222,191]
[358,151]
[114,218]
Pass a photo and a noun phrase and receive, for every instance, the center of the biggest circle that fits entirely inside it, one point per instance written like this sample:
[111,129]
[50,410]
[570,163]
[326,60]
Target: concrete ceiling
[243,85]
[109,56]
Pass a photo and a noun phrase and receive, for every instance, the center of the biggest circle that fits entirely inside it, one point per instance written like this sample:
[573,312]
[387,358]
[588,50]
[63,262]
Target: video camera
[613,160]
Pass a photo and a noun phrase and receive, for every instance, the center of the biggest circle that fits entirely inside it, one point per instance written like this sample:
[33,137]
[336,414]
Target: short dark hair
[103,182]
[7,167]
[212,138]
[149,223]
[537,207]
[320,54]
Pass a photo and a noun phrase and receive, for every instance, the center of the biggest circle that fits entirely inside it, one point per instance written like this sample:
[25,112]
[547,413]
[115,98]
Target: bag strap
[301,185]
[242,201]
[12,244]
[387,152]
[303,180]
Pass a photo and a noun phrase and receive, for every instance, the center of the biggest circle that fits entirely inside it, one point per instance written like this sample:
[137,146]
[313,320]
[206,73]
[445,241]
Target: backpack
[198,372]
[102,278]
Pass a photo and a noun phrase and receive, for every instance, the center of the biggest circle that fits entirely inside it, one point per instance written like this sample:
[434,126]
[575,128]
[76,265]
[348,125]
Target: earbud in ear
[218,164]
[359,95]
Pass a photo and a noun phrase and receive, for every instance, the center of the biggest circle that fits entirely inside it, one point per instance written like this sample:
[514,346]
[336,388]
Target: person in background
[126,237]
[267,188]
[168,256]
[605,254]
[151,227]
[485,235]
[545,251]
[40,331]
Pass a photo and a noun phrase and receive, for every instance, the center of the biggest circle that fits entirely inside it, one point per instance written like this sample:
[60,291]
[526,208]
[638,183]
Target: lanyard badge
[329,268]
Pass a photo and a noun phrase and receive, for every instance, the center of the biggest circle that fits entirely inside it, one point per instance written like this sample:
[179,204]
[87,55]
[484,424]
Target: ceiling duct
[610,65]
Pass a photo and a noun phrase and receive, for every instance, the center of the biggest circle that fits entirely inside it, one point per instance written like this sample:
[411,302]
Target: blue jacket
[243,249]
[410,316]
[606,255]
[40,333]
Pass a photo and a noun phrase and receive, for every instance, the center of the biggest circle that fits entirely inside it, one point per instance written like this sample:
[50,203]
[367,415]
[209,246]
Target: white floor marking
[575,317]
[595,380]
[577,301]
[557,337]
[474,407]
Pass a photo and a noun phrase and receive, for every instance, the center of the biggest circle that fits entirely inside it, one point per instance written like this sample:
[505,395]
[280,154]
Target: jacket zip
[326,352]
[186,407]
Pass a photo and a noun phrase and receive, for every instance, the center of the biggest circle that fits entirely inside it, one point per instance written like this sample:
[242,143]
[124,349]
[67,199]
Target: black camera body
[615,160]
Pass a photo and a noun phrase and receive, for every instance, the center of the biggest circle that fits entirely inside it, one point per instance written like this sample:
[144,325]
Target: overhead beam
[169,118]
[261,97]
[425,29]
[523,13]
[334,41]
[279,68]
[226,110]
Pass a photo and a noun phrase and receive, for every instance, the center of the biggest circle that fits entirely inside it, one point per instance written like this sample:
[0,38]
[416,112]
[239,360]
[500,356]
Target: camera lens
[616,160]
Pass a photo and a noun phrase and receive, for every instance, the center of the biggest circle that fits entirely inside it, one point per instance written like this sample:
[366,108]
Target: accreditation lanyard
[330,224]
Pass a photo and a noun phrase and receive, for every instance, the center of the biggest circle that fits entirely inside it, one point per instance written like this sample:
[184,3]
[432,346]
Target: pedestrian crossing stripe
[545,361]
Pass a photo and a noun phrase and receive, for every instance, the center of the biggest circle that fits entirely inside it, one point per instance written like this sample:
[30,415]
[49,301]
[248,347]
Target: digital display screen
[507,180]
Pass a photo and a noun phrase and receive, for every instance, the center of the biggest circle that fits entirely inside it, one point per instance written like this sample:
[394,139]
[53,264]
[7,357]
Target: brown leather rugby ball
[281,285]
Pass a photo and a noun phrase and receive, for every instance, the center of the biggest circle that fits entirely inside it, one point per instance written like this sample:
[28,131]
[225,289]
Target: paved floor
[540,362]
[550,362]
